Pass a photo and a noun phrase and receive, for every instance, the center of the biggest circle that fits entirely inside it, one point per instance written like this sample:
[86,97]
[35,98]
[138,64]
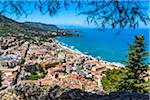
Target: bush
[113,79]
[32,77]
[35,76]
[33,72]
[116,80]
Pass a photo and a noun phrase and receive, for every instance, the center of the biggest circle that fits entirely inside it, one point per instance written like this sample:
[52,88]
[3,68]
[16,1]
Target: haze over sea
[110,44]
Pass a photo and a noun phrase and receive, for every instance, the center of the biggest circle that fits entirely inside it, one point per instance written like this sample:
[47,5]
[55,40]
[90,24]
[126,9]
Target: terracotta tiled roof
[72,76]
[96,73]
[98,66]
[7,70]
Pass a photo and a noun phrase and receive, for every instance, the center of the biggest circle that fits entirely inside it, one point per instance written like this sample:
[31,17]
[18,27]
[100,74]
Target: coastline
[71,48]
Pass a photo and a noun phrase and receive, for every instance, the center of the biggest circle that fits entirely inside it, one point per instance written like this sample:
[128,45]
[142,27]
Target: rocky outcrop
[30,91]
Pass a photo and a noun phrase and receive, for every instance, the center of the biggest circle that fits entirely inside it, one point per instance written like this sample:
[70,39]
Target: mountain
[41,26]
[31,30]
[11,27]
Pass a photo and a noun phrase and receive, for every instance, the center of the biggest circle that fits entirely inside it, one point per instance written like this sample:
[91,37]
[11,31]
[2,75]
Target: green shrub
[116,80]
[113,79]
[35,76]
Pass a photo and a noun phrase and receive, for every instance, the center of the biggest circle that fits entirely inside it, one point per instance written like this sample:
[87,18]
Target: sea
[109,44]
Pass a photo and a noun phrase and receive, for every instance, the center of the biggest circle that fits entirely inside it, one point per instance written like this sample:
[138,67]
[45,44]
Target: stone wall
[30,91]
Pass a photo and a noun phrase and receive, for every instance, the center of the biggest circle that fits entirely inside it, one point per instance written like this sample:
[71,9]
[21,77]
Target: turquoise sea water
[110,44]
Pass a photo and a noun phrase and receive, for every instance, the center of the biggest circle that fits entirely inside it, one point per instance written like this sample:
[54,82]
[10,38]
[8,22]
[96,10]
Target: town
[27,61]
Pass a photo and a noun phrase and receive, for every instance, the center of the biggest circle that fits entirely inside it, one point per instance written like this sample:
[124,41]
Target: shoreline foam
[74,50]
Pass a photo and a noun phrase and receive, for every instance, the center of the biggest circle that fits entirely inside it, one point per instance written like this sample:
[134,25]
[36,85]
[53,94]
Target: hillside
[11,27]
[41,27]
[30,30]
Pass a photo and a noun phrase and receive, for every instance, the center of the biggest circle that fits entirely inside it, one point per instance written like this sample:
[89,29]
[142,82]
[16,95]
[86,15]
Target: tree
[103,13]
[136,59]
[33,72]
[1,79]
[136,66]
[112,79]
[131,78]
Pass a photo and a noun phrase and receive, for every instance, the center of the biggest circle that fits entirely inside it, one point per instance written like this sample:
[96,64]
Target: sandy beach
[64,46]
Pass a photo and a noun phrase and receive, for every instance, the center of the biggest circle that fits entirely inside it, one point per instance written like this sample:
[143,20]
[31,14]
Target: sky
[64,17]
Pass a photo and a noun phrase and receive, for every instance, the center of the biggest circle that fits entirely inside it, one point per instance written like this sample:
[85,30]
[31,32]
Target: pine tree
[136,65]
[136,58]
[0,79]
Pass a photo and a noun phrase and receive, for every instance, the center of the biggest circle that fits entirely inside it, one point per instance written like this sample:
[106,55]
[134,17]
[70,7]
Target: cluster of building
[59,61]
[12,51]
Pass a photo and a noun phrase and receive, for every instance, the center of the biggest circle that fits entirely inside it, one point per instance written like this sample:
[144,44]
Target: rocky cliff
[30,91]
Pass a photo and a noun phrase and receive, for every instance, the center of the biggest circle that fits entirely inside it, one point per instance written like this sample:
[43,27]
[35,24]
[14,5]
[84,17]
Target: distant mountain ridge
[35,31]
[41,26]
[12,25]
[29,30]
